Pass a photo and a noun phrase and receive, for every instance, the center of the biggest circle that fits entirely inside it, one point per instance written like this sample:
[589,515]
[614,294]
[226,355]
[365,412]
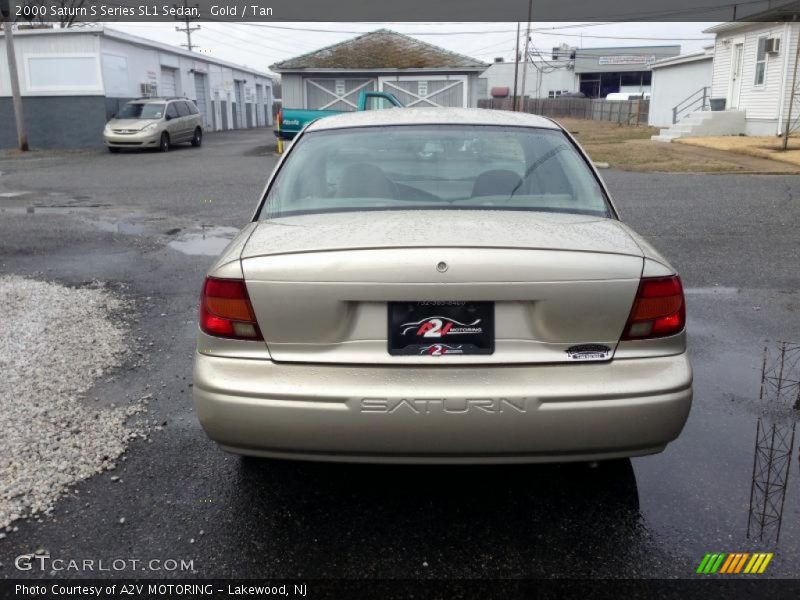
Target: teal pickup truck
[291,121]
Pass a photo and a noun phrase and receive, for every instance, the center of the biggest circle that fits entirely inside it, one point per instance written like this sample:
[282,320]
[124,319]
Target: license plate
[438,328]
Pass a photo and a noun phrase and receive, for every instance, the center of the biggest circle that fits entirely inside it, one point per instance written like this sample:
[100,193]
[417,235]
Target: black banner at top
[86,11]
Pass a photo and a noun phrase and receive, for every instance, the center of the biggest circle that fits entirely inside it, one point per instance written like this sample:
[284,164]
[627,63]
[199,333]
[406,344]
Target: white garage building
[417,73]
[72,80]
[680,85]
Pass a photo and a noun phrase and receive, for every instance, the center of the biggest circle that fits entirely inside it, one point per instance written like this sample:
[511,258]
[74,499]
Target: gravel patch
[54,342]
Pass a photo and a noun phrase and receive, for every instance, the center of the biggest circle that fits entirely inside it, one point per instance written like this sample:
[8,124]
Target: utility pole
[188,29]
[22,136]
[788,126]
[525,56]
[516,69]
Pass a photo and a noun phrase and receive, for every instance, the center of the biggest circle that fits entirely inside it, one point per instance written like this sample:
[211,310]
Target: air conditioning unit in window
[149,89]
[772,45]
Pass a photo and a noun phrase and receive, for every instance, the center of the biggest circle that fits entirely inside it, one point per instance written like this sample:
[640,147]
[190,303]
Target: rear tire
[197,139]
[163,145]
[113,150]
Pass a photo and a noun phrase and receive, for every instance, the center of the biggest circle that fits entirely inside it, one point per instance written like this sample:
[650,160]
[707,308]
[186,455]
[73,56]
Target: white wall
[538,81]
[763,104]
[53,55]
[672,84]
[88,63]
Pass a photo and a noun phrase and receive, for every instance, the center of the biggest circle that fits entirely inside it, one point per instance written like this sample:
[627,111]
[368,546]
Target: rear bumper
[540,413]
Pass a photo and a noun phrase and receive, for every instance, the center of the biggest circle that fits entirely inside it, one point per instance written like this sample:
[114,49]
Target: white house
[72,80]
[680,85]
[753,69]
[751,84]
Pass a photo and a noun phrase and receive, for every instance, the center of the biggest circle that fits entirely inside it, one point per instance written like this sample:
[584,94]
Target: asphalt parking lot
[130,219]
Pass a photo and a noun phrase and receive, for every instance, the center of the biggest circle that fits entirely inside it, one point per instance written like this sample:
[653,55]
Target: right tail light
[659,309]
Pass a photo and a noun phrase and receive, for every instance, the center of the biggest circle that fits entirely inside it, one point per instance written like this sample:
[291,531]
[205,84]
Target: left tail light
[225,310]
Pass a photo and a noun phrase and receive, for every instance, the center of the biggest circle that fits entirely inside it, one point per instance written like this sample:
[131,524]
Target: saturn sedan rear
[440,285]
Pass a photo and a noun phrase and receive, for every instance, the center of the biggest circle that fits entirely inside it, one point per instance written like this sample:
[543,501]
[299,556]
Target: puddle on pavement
[728,291]
[779,395]
[107,225]
[209,241]
[729,483]
[44,210]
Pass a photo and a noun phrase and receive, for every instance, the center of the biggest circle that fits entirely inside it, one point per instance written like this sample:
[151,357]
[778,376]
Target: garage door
[427,91]
[202,97]
[259,104]
[239,121]
[336,94]
[168,86]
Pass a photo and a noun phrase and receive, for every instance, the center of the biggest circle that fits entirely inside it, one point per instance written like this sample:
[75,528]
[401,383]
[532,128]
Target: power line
[547,31]
[285,50]
[284,38]
[218,40]
[627,37]
[188,29]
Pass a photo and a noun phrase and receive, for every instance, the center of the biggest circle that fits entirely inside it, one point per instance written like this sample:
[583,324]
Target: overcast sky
[259,45]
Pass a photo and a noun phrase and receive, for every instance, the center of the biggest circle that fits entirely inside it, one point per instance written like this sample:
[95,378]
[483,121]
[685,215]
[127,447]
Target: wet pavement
[730,483]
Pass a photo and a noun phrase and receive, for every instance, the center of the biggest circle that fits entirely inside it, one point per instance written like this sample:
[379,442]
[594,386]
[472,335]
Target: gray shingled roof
[379,50]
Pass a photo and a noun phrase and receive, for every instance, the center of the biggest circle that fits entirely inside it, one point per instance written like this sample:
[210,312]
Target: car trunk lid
[321,284]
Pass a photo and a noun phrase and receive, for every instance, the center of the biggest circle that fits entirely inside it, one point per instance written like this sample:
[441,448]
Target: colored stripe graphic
[718,562]
[764,564]
[754,563]
[734,563]
[703,563]
[727,565]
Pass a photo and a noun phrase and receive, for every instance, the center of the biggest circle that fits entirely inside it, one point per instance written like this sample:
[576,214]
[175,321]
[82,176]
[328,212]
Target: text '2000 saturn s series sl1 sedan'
[440,285]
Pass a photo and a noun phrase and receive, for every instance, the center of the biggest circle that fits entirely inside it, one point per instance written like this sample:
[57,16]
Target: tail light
[659,309]
[225,310]
[279,119]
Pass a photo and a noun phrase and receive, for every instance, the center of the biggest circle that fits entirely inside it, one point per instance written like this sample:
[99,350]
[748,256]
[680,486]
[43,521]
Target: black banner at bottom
[353,589]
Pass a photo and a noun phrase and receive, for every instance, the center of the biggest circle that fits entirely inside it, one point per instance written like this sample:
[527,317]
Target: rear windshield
[140,110]
[421,167]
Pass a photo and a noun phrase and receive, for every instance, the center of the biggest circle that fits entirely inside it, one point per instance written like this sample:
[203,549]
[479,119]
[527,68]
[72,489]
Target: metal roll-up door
[259,104]
[168,85]
[201,94]
[239,119]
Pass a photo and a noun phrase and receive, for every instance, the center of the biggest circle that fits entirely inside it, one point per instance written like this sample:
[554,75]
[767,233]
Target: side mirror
[167,118]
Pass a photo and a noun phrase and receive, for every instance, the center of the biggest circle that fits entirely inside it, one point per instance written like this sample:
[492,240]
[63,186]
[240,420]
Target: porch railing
[698,100]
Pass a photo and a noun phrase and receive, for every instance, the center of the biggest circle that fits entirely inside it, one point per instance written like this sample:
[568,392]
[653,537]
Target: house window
[761,61]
